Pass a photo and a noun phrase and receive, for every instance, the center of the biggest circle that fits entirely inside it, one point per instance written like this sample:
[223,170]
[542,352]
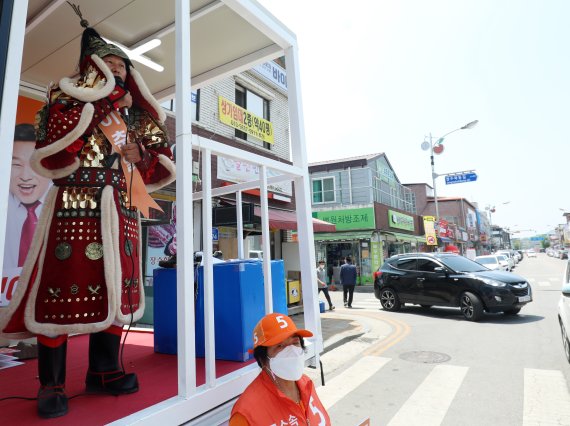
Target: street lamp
[431,145]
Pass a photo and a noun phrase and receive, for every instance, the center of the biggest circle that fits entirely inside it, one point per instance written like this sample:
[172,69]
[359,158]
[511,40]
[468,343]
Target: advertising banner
[347,219]
[400,220]
[161,239]
[239,118]
[239,171]
[429,227]
[25,198]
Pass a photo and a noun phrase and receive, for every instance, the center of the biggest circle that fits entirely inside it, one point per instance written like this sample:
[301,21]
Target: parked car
[530,253]
[563,253]
[564,312]
[504,261]
[493,262]
[509,256]
[442,279]
[521,254]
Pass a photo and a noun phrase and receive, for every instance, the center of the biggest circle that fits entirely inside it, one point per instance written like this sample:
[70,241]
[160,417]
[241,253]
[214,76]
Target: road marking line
[531,280]
[431,400]
[350,379]
[544,284]
[401,330]
[546,398]
[554,280]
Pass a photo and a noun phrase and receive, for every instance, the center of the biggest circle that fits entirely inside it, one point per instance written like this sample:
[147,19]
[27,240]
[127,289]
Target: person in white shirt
[322,283]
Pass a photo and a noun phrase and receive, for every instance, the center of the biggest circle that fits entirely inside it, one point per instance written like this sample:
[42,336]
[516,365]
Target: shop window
[451,219]
[323,190]
[170,105]
[255,104]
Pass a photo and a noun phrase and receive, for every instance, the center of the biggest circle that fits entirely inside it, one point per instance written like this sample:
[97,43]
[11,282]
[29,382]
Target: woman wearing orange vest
[281,394]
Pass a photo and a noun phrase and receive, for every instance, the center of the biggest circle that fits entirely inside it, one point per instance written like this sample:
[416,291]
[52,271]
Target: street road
[431,367]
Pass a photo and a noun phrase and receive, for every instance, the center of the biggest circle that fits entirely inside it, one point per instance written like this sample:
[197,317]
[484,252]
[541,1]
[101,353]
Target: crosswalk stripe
[554,279]
[350,379]
[544,284]
[431,400]
[546,398]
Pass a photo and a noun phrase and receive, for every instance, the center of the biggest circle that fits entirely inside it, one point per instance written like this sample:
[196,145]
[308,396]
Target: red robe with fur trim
[83,271]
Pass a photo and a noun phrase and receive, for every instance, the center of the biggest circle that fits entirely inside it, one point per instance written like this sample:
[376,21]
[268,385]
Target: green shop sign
[400,220]
[348,219]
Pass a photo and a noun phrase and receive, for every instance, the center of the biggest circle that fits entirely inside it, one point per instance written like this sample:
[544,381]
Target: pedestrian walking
[348,281]
[321,283]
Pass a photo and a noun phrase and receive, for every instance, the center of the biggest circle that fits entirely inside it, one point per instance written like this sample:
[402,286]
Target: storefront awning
[406,237]
[283,219]
[446,240]
[343,236]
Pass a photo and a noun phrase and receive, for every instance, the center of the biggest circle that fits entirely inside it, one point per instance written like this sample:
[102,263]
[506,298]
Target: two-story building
[459,218]
[374,214]
[248,111]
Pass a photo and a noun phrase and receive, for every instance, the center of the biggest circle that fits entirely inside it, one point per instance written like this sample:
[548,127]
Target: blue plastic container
[238,306]
[321,306]
[239,303]
[164,311]
[279,287]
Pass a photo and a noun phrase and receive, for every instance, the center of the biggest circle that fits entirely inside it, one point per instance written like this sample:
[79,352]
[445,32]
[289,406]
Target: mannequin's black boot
[105,374]
[52,401]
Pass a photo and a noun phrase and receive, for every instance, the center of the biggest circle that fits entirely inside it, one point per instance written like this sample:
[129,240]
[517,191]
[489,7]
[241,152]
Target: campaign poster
[25,199]
[161,240]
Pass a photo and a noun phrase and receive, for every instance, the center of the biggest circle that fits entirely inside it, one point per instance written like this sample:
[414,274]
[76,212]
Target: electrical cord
[135,247]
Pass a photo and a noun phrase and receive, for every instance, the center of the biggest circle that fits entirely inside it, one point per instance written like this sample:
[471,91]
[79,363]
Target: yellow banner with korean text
[429,227]
[239,118]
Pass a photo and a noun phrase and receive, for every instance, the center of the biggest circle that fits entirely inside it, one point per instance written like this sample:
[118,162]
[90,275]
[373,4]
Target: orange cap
[274,328]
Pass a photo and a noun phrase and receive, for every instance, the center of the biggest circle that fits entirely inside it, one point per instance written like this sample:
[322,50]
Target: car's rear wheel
[471,306]
[389,300]
[512,311]
[565,341]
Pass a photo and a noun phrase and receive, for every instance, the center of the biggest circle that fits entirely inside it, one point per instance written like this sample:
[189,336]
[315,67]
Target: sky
[381,75]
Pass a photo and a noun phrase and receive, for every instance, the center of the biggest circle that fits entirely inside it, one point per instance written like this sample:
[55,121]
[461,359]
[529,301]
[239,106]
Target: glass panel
[407,264]
[317,191]
[426,265]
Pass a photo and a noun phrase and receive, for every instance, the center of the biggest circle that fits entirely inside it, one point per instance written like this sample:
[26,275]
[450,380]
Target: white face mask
[289,363]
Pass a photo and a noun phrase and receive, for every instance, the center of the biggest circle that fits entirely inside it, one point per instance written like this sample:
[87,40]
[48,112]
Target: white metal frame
[193,401]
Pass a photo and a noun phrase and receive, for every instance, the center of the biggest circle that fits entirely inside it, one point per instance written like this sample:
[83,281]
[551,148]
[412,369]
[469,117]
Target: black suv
[445,279]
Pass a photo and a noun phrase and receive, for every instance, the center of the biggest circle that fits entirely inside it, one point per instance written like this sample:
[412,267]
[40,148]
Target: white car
[531,253]
[564,312]
[504,261]
[494,262]
[509,256]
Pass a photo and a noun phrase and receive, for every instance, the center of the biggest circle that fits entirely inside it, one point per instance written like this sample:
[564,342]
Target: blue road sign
[536,238]
[460,178]
[215,234]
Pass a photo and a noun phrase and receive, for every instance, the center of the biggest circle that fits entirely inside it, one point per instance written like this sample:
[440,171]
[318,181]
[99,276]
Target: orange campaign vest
[263,404]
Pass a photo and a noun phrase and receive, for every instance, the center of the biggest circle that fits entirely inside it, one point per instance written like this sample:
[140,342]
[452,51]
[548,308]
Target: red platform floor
[157,375]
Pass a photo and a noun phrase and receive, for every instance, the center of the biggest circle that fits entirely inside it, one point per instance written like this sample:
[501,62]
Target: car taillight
[377,274]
